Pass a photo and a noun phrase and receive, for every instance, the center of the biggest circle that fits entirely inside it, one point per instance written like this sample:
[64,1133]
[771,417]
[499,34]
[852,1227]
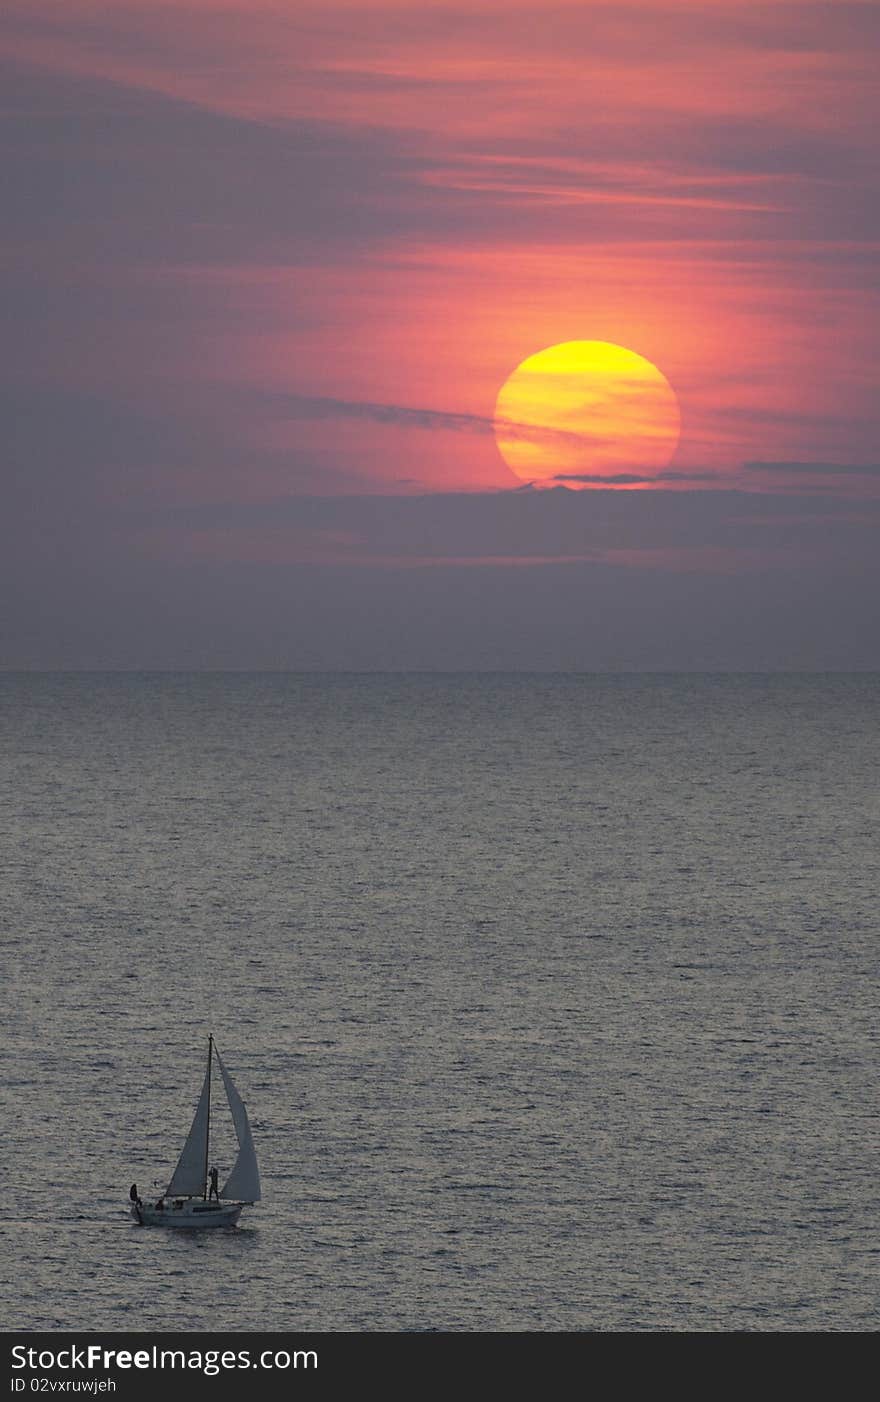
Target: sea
[553,999]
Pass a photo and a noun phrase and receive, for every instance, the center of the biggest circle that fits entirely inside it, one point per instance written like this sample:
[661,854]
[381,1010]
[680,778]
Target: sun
[586,414]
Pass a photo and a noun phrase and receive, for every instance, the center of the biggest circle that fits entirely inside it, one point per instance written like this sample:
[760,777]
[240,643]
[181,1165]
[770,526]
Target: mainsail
[243,1183]
[188,1179]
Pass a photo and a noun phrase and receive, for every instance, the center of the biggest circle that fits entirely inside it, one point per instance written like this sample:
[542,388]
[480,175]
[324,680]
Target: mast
[208,1125]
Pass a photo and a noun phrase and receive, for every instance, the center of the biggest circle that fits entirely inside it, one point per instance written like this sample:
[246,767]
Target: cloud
[161,142]
[824,469]
[134,175]
[554,523]
[630,479]
[323,407]
[434,420]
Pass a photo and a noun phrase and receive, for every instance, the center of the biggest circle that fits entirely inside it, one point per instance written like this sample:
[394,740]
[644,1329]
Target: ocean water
[554,999]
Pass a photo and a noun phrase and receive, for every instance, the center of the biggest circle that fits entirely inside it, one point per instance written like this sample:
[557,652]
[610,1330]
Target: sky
[267,264]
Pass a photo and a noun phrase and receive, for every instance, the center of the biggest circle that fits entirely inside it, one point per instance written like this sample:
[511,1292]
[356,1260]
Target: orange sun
[586,413]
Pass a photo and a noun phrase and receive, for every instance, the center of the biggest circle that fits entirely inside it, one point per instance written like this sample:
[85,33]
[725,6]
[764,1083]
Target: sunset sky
[267,264]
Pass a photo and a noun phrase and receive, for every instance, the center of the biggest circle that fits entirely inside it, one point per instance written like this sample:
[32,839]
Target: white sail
[243,1183]
[189,1175]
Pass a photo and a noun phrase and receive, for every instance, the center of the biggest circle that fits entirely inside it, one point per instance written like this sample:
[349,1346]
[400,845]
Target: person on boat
[133,1194]
[215,1191]
[160,1204]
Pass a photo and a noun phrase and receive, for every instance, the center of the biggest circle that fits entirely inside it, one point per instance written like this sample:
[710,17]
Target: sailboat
[185,1202]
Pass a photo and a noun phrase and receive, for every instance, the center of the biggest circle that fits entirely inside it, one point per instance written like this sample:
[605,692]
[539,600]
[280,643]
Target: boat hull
[189,1215]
